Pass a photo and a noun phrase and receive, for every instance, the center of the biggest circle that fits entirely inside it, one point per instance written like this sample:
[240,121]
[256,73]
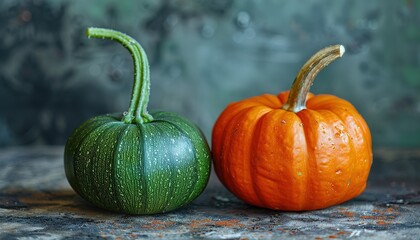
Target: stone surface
[36,202]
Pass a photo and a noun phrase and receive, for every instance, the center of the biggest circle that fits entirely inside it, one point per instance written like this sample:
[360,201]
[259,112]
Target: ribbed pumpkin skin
[273,158]
[144,168]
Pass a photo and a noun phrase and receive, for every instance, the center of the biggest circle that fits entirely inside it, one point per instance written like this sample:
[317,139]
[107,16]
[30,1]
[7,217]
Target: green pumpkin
[136,162]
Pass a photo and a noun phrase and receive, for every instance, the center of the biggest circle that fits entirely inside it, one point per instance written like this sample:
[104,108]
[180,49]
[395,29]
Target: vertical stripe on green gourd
[83,161]
[129,176]
[200,148]
[73,143]
[104,164]
[183,163]
[157,167]
[96,165]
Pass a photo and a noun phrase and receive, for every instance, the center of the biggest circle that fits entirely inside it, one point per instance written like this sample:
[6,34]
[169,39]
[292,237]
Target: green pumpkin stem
[137,111]
[303,81]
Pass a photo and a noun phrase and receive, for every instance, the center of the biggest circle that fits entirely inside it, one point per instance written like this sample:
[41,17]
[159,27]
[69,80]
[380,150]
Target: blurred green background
[204,54]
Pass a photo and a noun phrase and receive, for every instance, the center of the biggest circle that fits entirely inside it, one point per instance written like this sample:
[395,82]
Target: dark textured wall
[204,54]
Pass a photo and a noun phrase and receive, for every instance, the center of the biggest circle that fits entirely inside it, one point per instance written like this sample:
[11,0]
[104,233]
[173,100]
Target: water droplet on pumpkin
[338,171]
[283,121]
[300,124]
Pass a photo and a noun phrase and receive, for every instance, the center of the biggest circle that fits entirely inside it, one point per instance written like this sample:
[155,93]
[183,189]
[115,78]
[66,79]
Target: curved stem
[137,111]
[307,74]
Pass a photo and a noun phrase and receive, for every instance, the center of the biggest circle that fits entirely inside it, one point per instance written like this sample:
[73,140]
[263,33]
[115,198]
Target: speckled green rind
[146,168]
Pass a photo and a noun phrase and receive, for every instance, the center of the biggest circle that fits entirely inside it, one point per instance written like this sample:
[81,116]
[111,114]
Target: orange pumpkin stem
[303,81]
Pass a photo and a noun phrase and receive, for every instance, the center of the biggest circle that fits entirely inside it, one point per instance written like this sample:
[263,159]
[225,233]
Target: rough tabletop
[37,202]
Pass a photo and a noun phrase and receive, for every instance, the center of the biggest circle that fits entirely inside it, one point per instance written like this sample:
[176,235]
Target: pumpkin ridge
[267,100]
[102,181]
[324,175]
[233,116]
[364,127]
[219,167]
[324,102]
[309,155]
[331,177]
[167,203]
[156,142]
[131,170]
[254,174]
[198,141]
[184,134]
[218,134]
[195,175]
[159,181]
[247,103]
[114,167]
[306,116]
[361,126]
[231,110]
[254,132]
[86,186]
[225,159]
[227,143]
[143,172]
[170,194]
[69,149]
[344,156]
[283,170]
[354,161]
[76,162]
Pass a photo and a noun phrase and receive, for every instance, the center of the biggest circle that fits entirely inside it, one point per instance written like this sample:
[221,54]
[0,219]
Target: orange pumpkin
[294,151]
